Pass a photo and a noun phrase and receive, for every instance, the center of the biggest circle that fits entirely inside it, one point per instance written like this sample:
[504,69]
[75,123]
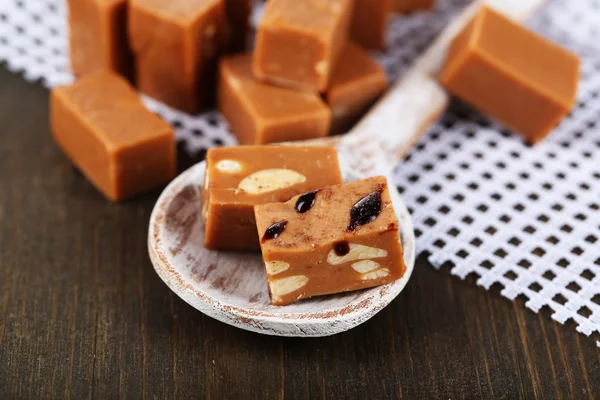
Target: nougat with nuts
[259,113]
[298,43]
[176,44]
[331,240]
[238,178]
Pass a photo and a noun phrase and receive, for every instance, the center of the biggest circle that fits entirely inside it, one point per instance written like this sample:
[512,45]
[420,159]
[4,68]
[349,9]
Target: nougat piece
[259,113]
[408,6]
[176,44]
[331,240]
[120,146]
[238,178]
[98,37]
[238,20]
[298,43]
[370,23]
[358,81]
[512,74]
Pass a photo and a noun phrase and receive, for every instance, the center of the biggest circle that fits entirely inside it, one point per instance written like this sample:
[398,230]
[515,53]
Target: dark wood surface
[83,314]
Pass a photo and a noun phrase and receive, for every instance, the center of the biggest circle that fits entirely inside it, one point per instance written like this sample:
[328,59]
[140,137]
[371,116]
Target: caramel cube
[408,6]
[332,240]
[238,178]
[98,37]
[357,83]
[512,74]
[238,20]
[102,126]
[370,23]
[176,44]
[259,113]
[299,42]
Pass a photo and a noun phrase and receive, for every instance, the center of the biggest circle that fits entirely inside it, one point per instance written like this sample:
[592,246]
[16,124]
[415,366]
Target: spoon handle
[408,109]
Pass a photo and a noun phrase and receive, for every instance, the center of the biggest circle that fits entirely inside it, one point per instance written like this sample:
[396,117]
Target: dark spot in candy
[306,201]
[341,248]
[274,230]
[365,210]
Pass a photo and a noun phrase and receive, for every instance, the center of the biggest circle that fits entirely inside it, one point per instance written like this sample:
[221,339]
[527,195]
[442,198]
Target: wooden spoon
[231,286]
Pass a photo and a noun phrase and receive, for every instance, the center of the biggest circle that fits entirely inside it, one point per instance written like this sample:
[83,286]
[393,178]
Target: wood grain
[83,315]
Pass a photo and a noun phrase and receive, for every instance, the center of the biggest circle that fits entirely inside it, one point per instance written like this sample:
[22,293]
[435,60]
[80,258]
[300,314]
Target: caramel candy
[121,147]
[176,44]
[299,42]
[238,20]
[408,6]
[370,22]
[99,36]
[259,113]
[357,83]
[333,240]
[238,178]
[512,74]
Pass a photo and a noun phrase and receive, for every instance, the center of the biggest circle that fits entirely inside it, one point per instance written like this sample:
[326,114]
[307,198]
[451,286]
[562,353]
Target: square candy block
[512,74]
[358,81]
[298,43]
[332,240]
[238,178]
[259,113]
[370,23]
[176,45]
[98,37]
[121,147]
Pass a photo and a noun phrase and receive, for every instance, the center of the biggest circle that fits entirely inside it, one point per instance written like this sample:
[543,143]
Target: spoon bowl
[231,286]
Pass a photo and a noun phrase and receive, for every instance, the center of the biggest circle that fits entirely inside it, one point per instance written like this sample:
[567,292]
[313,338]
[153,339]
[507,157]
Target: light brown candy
[176,44]
[98,36]
[357,83]
[337,239]
[408,6]
[370,23]
[238,178]
[259,113]
[512,74]
[299,42]
[121,147]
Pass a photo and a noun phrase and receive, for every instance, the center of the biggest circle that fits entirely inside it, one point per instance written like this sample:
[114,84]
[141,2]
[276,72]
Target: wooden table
[83,314]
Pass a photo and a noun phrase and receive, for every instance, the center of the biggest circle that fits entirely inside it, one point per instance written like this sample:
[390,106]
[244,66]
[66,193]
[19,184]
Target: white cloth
[525,217]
